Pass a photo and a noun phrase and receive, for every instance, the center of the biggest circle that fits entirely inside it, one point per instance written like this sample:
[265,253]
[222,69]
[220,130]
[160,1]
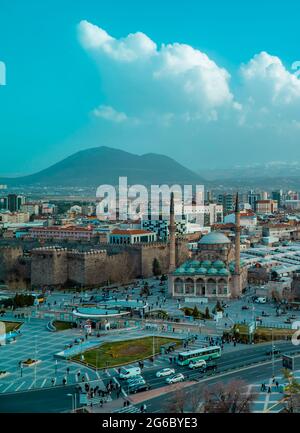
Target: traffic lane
[227,361]
[255,374]
[51,400]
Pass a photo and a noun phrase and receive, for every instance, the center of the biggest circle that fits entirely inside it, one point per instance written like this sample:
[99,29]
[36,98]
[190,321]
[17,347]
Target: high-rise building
[14,202]
[227,201]
[277,195]
[253,197]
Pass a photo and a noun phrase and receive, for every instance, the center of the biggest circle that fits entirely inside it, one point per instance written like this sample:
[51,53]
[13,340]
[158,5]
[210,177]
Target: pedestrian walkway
[271,402]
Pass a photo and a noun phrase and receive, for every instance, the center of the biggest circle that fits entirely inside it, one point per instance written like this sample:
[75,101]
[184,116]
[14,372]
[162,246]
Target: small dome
[201,271]
[223,272]
[206,264]
[212,271]
[214,238]
[195,263]
[180,271]
[191,270]
[218,264]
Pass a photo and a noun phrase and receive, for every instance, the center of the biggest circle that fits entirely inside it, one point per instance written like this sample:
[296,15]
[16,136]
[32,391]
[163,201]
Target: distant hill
[104,165]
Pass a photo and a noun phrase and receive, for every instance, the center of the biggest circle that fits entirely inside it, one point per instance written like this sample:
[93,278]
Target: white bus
[204,353]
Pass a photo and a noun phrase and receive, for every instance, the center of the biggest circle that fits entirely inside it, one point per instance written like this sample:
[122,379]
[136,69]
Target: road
[56,399]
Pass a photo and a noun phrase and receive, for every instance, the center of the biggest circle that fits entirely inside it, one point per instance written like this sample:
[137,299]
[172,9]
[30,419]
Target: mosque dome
[213,238]
[212,271]
[201,271]
[223,272]
[218,264]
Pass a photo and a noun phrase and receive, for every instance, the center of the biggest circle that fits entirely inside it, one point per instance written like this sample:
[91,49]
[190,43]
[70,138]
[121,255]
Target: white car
[165,372]
[179,377]
[197,364]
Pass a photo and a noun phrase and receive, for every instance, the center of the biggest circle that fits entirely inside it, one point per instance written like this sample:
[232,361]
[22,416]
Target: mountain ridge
[99,165]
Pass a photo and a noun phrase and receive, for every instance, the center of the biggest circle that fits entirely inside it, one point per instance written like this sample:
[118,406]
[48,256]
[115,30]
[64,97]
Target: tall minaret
[237,263]
[172,230]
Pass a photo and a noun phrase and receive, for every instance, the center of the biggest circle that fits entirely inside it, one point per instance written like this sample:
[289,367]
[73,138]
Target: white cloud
[268,80]
[148,81]
[109,113]
[176,95]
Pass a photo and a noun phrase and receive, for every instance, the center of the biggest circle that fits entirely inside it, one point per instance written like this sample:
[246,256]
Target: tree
[196,312]
[219,306]
[207,314]
[292,391]
[176,403]
[231,397]
[156,268]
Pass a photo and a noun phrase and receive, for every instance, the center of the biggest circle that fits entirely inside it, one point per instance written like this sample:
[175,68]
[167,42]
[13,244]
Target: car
[245,307]
[135,380]
[198,364]
[165,372]
[126,373]
[179,377]
[275,351]
[139,388]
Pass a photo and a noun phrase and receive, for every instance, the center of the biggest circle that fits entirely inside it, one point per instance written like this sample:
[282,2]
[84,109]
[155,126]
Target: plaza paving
[270,402]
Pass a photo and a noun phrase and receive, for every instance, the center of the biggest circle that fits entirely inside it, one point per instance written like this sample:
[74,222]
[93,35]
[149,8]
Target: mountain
[104,165]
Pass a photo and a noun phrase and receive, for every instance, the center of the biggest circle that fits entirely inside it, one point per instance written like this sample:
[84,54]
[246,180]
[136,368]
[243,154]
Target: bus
[205,353]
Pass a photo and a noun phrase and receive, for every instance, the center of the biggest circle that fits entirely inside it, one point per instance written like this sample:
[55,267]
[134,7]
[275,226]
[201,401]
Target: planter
[31,362]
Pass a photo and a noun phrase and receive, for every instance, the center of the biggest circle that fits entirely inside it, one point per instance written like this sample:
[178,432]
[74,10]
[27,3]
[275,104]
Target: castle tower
[237,263]
[172,230]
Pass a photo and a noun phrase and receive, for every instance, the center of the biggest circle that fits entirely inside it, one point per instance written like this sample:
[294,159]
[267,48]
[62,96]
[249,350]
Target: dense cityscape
[129,315]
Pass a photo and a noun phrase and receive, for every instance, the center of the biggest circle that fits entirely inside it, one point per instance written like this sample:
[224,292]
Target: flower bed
[30,362]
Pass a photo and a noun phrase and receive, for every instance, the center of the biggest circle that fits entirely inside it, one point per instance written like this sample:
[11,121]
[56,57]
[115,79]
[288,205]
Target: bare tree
[177,402]
[231,397]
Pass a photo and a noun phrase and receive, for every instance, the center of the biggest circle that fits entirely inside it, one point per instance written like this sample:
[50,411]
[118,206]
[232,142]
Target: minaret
[237,263]
[172,230]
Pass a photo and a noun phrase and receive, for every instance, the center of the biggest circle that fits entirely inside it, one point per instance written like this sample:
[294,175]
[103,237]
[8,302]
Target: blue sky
[67,91]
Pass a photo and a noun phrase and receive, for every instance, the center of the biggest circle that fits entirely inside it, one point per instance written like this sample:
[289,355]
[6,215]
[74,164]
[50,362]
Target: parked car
[165,372]
[179,377]
[245,307]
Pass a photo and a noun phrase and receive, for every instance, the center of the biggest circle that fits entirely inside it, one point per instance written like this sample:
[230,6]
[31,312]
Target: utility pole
[273,361]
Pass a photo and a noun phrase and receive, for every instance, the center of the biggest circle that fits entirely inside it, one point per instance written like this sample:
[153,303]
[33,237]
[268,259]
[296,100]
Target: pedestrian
[269,390]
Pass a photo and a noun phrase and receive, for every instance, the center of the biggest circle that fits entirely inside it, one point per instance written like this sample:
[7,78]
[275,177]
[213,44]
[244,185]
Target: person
[269,390]
[53,382]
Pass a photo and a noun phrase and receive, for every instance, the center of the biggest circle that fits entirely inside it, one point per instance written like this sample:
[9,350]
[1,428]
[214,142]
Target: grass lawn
[264,334]
[11,326]
[62,326]
[124,352]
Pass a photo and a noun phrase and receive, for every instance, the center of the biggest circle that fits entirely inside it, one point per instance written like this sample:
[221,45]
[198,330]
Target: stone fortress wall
[57,266]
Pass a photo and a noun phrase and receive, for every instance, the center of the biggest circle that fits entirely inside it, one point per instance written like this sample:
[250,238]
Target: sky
[211,84]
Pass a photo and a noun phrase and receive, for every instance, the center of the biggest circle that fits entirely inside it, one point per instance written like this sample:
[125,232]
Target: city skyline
[203,90]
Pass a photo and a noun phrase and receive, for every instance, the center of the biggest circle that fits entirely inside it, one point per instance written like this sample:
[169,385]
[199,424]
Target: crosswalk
[128,409]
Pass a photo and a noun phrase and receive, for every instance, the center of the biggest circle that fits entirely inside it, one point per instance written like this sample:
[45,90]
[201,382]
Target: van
[197,364]
[126,373]
[261,300]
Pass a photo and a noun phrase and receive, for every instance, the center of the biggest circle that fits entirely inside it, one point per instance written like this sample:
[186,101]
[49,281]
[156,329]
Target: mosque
[215,271]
